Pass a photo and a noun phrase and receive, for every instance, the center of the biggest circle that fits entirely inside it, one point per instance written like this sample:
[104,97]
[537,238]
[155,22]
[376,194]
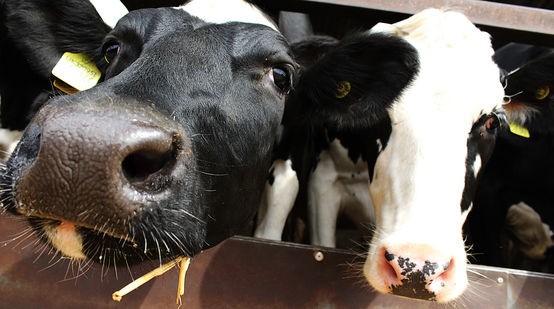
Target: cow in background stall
[512,223]
[320,169]
[405,83]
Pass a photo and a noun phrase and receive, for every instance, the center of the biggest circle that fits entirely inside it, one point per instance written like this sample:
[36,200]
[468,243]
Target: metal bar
[480,12]
[505,22]
[239,273]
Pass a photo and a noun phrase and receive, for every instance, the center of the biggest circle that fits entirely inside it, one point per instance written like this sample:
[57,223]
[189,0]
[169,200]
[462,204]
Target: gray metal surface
[480,12]
[505,22]
[239,273]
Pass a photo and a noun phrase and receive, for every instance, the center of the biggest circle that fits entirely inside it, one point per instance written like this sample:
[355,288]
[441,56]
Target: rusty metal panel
[239,273]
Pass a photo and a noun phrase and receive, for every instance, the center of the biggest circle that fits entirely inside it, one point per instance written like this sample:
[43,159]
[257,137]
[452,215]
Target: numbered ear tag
[519,130]
[77,71]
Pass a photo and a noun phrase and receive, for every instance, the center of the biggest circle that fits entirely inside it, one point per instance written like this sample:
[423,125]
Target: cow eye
[281,77]
[492,122]
[111,51]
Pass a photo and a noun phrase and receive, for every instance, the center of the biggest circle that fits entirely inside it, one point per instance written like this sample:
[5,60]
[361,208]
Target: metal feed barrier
[239,273]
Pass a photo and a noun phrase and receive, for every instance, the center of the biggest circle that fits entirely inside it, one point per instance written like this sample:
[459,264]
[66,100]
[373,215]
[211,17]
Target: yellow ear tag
[542,93]
[77,71]
[64,87]
[519,130]
[343,89]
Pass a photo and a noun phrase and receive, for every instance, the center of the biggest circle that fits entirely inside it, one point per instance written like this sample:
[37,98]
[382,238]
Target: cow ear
[41,31]
[354,82]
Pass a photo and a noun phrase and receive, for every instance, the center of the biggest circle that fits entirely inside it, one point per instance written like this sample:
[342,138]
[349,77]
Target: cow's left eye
[282,78]
[492,122]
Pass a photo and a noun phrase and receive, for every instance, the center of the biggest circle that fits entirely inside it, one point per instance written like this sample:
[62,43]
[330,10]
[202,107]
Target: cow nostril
[448,272]
[388,272]
[139,165]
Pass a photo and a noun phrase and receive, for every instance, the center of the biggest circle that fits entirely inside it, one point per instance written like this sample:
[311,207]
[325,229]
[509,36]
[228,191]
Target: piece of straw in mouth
[185,262]
[147,277]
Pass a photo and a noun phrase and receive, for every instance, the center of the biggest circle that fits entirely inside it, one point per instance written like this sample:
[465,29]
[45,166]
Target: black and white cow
[407,84]
[169,154]
[514,214]
[316,162]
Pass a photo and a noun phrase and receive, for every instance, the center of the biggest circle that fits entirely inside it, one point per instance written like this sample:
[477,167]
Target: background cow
[150,163]
[318,166]
[513,218]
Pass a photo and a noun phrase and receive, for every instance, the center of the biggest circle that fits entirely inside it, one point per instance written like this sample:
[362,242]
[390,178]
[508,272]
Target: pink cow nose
[416,273]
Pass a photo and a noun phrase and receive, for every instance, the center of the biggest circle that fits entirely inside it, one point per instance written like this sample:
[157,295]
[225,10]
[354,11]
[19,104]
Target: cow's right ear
[353,82]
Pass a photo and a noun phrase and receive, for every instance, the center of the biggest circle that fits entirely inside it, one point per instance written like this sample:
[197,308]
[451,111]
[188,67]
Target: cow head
[430,91]
[169,154]
[529,85]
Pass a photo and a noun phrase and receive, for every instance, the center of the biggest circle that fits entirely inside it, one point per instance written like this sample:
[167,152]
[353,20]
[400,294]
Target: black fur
[33,37]
[520,169]
[480,143]
[377,66]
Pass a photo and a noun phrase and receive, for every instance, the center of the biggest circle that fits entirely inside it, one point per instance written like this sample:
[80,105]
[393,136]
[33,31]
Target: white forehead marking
[455,59]
[223,11]
[111,11]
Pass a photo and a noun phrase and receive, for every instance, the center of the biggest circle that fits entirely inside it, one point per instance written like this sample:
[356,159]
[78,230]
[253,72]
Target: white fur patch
[8,141]
[224,11]
[337,185]
[477,165]
[277,201]
[422,170]
[111,11]
[64,238]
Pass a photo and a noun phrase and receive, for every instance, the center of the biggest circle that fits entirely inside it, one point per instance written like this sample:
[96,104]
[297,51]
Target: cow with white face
[408,83]
[425,175]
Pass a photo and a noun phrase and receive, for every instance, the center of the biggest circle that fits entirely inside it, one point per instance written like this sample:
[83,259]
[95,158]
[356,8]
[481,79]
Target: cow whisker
[212,174]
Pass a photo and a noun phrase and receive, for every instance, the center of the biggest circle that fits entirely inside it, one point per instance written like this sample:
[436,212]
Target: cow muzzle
[98,168]
[416,271]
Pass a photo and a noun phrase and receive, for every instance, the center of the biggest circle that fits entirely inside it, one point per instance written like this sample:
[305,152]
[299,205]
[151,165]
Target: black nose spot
[406,265]
[429,268]
[413,286]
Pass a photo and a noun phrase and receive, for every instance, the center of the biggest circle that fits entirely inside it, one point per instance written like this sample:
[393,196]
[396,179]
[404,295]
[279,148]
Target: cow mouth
[41,220]
[84,243]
